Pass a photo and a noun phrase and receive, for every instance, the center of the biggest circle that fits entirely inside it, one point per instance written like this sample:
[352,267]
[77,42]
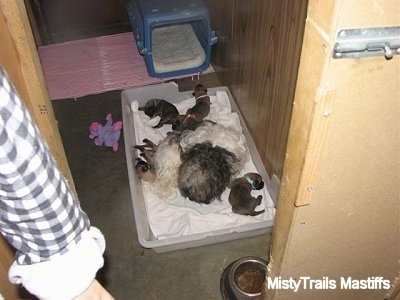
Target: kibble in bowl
[244,279]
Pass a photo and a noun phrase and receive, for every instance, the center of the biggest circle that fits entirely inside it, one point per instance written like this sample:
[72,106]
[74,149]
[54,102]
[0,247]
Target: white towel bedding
[178,216]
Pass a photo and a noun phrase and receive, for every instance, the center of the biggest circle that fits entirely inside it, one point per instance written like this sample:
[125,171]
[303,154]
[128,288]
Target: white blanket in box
[178,216]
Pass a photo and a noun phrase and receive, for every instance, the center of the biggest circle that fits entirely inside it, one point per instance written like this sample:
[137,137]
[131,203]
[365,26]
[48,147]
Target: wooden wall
[257,57]
[60,20]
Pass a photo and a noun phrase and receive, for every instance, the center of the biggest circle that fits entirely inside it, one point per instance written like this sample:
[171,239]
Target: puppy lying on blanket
[195,115]
[167,112]
[240,197]
[146,169]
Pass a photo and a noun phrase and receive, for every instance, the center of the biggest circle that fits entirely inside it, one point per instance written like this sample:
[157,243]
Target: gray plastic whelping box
[145,15]
[169,92]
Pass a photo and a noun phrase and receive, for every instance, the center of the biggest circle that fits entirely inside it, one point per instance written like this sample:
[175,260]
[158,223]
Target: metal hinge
[364,42]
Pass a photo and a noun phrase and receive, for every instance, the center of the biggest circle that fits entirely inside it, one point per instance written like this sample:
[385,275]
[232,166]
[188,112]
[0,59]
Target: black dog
[240,197]
[205,172]
[162,108]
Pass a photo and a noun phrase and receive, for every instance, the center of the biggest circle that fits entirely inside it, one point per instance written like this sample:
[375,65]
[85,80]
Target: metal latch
[364,42]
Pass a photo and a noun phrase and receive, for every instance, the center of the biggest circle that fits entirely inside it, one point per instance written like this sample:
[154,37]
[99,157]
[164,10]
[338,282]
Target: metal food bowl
[243,279]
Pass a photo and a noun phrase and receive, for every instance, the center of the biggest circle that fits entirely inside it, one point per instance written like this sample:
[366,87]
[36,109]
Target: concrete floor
[101,180]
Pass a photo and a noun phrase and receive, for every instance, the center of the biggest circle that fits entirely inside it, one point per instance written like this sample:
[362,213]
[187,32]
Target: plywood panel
[258,60]
[7,290]
[313,58]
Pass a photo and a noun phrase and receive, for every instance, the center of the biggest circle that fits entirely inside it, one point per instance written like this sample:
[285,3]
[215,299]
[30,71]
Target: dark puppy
[240,197]
[195,115]
[146,169]
[162,108]
[202,106]
[205,172]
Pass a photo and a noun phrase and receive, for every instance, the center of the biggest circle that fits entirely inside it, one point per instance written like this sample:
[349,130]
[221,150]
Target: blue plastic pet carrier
[173,36]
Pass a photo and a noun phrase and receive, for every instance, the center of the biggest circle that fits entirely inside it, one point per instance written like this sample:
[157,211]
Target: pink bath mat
[92,66]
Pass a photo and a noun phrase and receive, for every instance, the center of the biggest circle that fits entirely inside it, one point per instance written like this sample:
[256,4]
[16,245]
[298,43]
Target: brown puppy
[167,112]
[240,197]
[195,115]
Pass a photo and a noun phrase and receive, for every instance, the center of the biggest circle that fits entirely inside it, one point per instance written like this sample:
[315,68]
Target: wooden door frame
[19,58]
[312,107]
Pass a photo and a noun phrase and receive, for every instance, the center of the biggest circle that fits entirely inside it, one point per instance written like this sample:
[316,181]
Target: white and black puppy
[146,169]
[240,197]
